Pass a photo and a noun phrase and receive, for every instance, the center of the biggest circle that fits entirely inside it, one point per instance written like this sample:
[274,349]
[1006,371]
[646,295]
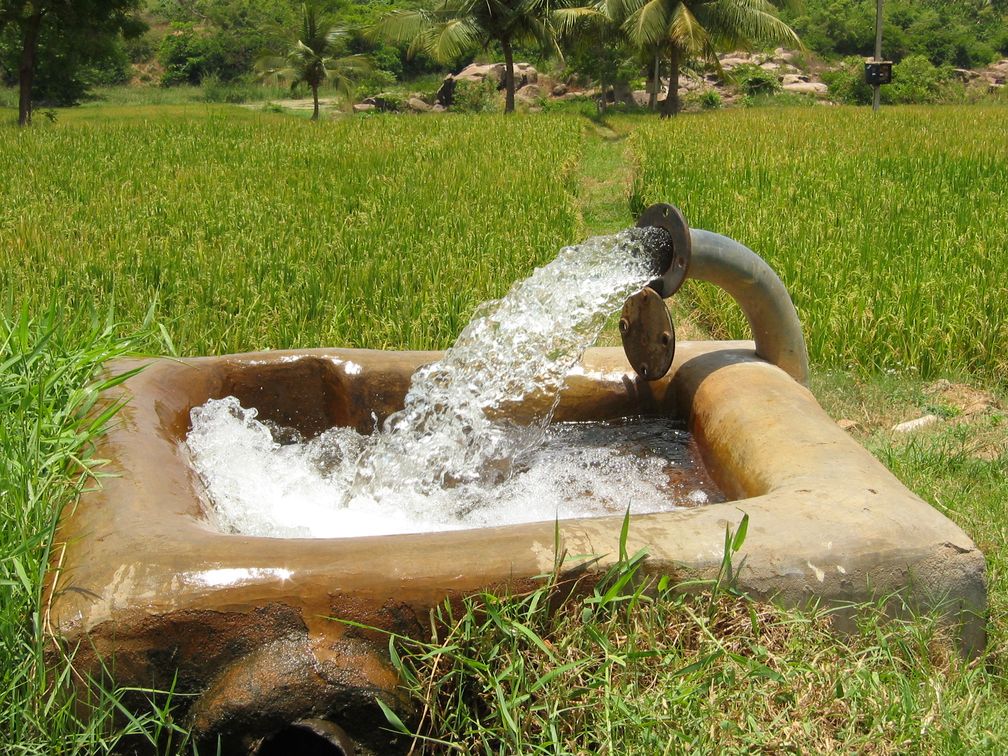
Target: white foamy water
[451,459]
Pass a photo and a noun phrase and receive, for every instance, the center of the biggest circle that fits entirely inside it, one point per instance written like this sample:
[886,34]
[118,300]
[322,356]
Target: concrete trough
[143,590]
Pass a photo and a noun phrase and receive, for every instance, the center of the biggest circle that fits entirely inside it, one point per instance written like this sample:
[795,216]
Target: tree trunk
[655,85]
[603,101]
[670,106]
[314,94]
[509,82]
[26,71]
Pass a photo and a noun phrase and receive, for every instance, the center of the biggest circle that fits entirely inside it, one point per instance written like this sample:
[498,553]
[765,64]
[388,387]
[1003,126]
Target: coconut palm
[310,60]
[453,27]
[686,30]
[696,29]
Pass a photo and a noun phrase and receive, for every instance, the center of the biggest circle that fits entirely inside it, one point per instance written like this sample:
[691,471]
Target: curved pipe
[760,293]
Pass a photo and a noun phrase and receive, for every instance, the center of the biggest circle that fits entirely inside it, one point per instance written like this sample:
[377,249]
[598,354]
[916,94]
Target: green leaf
[740,533]
[392,717]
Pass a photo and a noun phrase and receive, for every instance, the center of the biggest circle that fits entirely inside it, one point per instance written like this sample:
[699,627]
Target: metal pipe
[760,293]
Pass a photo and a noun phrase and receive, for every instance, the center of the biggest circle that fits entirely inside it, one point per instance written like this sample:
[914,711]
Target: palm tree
[687,30]
[453,27]
[310,60]
[696,29]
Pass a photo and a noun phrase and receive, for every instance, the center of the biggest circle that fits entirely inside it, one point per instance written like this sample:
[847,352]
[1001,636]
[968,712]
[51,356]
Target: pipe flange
[648,335]
[670,219]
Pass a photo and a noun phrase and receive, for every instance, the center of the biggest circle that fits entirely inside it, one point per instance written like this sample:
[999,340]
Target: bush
[475,97]
[710,100]
[915,80]
[847,83]
[753,80]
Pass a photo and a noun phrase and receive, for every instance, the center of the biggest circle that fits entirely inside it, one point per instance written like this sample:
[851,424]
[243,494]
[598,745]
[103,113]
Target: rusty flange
[648,336]
[669,218]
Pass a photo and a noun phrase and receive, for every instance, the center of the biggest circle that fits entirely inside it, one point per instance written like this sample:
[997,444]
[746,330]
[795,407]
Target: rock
[417,105]
[915,424]
[363,107]
[529,93]
[964,74]
[788,56]
[524,74]
[641,98]
[816,88]
[848,425]
[383,102]
[437,107]
[733,61]
[559,90]
[794,79]
[769,66]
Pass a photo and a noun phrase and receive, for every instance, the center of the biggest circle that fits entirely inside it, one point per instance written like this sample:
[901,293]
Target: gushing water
[454,456]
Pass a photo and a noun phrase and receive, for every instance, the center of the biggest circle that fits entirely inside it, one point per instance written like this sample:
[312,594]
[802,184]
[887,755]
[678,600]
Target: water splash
[456,455]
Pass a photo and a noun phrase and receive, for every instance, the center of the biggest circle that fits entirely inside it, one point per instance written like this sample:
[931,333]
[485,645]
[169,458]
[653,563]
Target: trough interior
[312,394]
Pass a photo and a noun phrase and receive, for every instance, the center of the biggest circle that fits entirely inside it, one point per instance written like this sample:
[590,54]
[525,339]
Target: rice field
[249,230]
[205,229]
[889,229]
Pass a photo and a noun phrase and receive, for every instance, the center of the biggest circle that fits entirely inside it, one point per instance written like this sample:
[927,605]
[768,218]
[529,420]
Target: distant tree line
[961,33]
[54,50]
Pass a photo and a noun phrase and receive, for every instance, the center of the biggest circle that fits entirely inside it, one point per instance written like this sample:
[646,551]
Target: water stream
[453,457]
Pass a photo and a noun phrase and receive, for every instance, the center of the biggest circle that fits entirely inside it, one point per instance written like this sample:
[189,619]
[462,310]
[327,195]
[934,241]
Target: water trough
[144,590]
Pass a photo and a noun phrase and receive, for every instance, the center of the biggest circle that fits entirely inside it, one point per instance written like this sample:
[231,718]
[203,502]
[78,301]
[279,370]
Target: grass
[47,387]
[667,672]
[889,229]
[236,230]
[255,231]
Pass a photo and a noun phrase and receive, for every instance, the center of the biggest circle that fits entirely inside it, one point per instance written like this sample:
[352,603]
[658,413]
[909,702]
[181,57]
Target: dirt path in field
[604,187]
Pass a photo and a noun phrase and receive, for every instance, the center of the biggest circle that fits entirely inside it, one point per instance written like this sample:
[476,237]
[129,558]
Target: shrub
[753,80]
[710,100]
[475,97]
[847,83]
[915,80]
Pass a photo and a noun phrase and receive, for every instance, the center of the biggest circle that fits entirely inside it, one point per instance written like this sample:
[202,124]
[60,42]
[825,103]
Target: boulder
[524,74]
[437,107]
[788,56]
[383,102]
[815,88]
[529,93]
[732,61]
[794,79]
[417,105]
[559,90]
[363,107]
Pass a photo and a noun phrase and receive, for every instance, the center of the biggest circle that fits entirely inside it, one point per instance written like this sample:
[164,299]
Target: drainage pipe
[759,292]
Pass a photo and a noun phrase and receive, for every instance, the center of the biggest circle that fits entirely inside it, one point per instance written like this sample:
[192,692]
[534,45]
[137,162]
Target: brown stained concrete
[140,578]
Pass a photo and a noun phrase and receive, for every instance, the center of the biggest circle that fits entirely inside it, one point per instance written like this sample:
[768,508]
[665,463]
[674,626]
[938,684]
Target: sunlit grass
[256,231]
[889,229]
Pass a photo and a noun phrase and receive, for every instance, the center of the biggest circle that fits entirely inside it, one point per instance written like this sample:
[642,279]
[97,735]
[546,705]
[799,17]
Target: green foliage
[48,385]
[847,84]
[878,223]
[475,96]
[914,80]
[753,80]
[710,100]
[454,27]
[968,34]
[81,45]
